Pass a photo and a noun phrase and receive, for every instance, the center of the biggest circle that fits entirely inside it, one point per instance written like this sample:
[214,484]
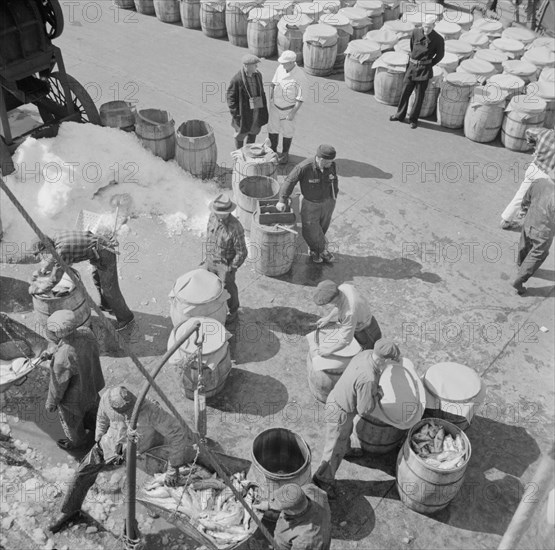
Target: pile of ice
[57,177]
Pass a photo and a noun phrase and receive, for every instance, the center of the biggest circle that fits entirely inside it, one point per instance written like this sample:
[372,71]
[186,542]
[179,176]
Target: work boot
[354,452]
[239,143]
[325,486]
[122,325]
[315,257]
[251,138]
[327,256]
[519,288]
[274,142]
[284,157]
[62,520]
[67,445]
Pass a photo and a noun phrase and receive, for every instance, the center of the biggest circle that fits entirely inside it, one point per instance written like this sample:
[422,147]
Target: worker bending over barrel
[352,313]
[356,392]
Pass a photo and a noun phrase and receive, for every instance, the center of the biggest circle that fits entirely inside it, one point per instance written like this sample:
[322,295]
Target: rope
[125,347]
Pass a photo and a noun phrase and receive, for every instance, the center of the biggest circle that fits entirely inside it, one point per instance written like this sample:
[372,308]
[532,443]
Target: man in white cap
[225,249]
[427,49]
[155,427]
[286,98]
[356,392]
[246,100]
[76,377]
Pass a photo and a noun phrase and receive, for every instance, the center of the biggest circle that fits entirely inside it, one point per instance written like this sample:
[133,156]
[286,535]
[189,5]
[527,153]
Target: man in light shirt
[286,98]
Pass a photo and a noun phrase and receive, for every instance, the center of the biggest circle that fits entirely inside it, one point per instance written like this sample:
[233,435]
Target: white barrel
[344,32]
[430,96]
[384,37]
[546,91]
[523,112]
[488,26]
[388,79]
[463,50]
[403,46]
[520,68]
[391,10]
[544,42]
[547,75]
[522,34]
[508,85]
[513,48]
[461,18]
[402,28]
[319,49]
[358,20]
[449,63]
[374,12]
[262,31]
[484,114]
[449,31]
[542,58]
[290,34]
[495,57]
[359,57]
[478,68]
[478,40]
[453,100]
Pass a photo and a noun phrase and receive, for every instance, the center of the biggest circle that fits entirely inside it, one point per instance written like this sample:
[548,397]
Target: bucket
[190,13]
[198,293]
[236,21]
[146,7]
[461,18]
[508,85]
[196,150]
[290,34]
[495,57]
[74,301]
[248,192]
[391,10]
[216,358]
[449,31]
[279,456]
[484,115]
[344,31]
[358,20]
[453,100]
[478,68]
[513,48]
[388,80]
[546,91]
[422,487]
[523,112]
[360,55]
[212,18]
[429,103]
[118,114]
[402,29]
[377,437]
[246,166]
[167,10]
[156,130]
[478,40]
[463,50]
[374,11]
[522,69]
[319,49]
[262,31]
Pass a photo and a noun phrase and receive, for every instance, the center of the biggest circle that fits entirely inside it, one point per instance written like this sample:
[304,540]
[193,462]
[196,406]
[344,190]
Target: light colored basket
[88,221]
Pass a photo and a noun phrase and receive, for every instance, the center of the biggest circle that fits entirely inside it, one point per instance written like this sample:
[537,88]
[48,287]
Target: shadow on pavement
[348,168]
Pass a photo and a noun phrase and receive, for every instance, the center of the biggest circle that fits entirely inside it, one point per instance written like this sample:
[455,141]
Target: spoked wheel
[53,17]
[53,107]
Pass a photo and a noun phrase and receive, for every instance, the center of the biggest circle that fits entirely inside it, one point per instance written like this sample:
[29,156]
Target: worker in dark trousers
[427,49]
[319,188]
[537,232]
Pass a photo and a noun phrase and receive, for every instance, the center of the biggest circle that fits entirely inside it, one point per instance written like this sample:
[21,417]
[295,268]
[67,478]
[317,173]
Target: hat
[287,57]
[121,399]
[62,322]
[250,59]
[387,349]
[222,204]
[290,498]
[326,291]
[326,152]
[429,20]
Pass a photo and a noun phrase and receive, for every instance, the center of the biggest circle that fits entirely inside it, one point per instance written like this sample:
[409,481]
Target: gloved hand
[172,477]
[280,207]
[51,407]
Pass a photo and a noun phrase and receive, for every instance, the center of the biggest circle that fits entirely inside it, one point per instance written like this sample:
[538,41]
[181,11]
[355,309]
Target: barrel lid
[330,335]
[356,16]
[541,57]
[493,56]
[488,26]
[544,89]
[461,79]
[337,20]
[395,59]
[320,32]
[404,46]
[544,42]
[527,104]
[452,382]
[404,396]
[547,75]
[294,21]
[449,59]
[458,47]
[519,67]
[459,17]
[396,25]
[199,286]
[382,36]
[507,82]
[475,38]
[476,66]
[489,94]
[363,50]
[430,8]
[508,45]
[445,27]
[214,333]
[526,36]
[375,6]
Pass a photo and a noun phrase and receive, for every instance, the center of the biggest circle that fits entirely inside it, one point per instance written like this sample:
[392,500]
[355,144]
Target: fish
[208,484]
[438,440]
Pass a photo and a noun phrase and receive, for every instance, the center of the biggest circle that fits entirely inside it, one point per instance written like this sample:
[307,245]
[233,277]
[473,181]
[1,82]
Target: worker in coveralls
[305,519]
[246,100]
[75,377]
[353,314]
[81,246]
[537,232]
[286,98]
[155,427]
[319,188]
[427,49]
[357,392]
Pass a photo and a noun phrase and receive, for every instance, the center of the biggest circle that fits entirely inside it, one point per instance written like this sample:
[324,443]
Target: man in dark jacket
[537,232]
[247,101]
[427,49]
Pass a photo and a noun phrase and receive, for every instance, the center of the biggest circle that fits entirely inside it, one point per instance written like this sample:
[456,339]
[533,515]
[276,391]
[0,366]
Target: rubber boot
[238,143]
[284,157]
[251,138]
[274,142]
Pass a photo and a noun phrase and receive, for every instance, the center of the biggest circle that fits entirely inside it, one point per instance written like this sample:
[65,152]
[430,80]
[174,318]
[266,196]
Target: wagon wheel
[53,17]
[81,99]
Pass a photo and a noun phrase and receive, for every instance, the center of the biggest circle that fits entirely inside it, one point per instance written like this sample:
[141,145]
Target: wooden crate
[268,214]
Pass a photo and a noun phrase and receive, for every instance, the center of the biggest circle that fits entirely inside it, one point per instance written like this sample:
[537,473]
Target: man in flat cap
[319,189]
[357,392]
[155,427]
[246,100]
[305,519]
[225,249]
[76,377]
[351,312]
[286,98]
[427,49]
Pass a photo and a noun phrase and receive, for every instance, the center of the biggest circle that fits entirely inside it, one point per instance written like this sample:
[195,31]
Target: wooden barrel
[246,166]
[453,100]
[430,96]
[449,63]
[216,357]
[196,149]
[449,31]
[523,112]
[546,91]
[513,48]
[403,29]
[422,487]
[321,382]
[541,58]
[377,437]
[463,50]
[156,130]
[522,34]
[478,40]
[388,80]
[484,115]
[290,34]
[319,49]
[212,18]
[118,114]
[360,55]
[272,250]
[146,7]
[248,192]
[359,21]
[344,32]
[190,13]
[374,11]
[74,301]
[490,27]
[262,32]
[507,85]
[386,39]
[236,21]
[125,4]
[495,57]
[167,10]
[522,69]
[478,68]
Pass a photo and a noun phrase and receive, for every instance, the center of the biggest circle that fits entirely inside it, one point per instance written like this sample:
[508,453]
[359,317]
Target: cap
[290,498]
[326,152]
[222,204]
[250,59]
[121,399]
[429,20]
[287,57]
[62,322]
[387,349]
[326,291]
